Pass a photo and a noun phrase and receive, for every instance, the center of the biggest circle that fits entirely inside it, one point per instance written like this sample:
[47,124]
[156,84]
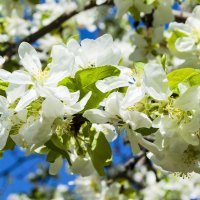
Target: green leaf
[34,1]
[51,156]
[139,67]
[1,154]
[149,2]
[10,145]
[100,153]
[58,147]
[3,87]
[70,83]
[85,81]
[135,13]
[130,193]
[181,75]
[194,80]
[172,40]
[146,131]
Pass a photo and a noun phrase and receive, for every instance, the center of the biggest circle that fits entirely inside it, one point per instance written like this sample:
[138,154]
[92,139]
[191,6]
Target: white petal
[4,132]
[123,6]
[15,91]
[29,58]
[134,143]
[97,116]
[3,104]
[174,26]
[105,40]
[163,14]
[137,119]
[110,56]
[62,64]
[20,77]
[113,103]
[111,83]
[55,167]
[22,115]
[80,105]
[185,44]
[38,132]
[148,145]
[196,12]
[193,22]
[189,100]
[73,46]
[30,96]
[52,108]
[108,130]
[133,95]
[2,60]
[4,75]
[82,166]
[155,81]
[63,94]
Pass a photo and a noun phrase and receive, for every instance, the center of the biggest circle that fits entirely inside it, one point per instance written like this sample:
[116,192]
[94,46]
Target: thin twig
[8,52]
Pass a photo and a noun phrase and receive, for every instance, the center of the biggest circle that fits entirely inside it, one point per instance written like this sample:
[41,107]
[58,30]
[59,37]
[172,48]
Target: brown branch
[12,49]
[181,16]
[124,170]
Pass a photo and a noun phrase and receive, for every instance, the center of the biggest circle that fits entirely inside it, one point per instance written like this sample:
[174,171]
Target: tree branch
[12,48]
[181,16]
[8,52]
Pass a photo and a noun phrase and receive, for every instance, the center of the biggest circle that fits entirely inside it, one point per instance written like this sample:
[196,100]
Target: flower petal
[133,95]
[82,166]
[20,77]
[30,96]
[4,132]
[185,44]
[155,81]
[4,75]
[80,105]
[52,108]
[29,58]
[97,116]
[55,167]
[15,91]
[62,64]
[111,83]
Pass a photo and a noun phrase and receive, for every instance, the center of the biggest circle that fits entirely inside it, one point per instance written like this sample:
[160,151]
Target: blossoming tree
[68,99]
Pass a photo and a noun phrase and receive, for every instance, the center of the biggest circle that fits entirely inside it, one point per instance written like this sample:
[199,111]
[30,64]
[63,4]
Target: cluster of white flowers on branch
[84,98]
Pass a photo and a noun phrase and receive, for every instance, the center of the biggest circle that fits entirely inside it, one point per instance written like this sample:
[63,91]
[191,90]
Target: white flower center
[41,76]
[196,34]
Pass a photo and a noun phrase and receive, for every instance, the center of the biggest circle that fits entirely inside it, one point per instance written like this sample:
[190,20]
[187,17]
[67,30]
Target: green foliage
[172,40]
[3,87]
[194,80]
[34,1]
[85,81]
[181,76]
[11,65]
[146,131]
[135,13]
[51,156]
[148,2]
[100,153]
[56,148]
[10,145]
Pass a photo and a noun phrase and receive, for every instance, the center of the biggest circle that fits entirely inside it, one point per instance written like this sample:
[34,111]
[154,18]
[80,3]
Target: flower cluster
[184,40]
[83,99]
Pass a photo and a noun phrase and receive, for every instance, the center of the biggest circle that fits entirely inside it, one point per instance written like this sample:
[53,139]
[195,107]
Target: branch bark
[8,52]
[12,48]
